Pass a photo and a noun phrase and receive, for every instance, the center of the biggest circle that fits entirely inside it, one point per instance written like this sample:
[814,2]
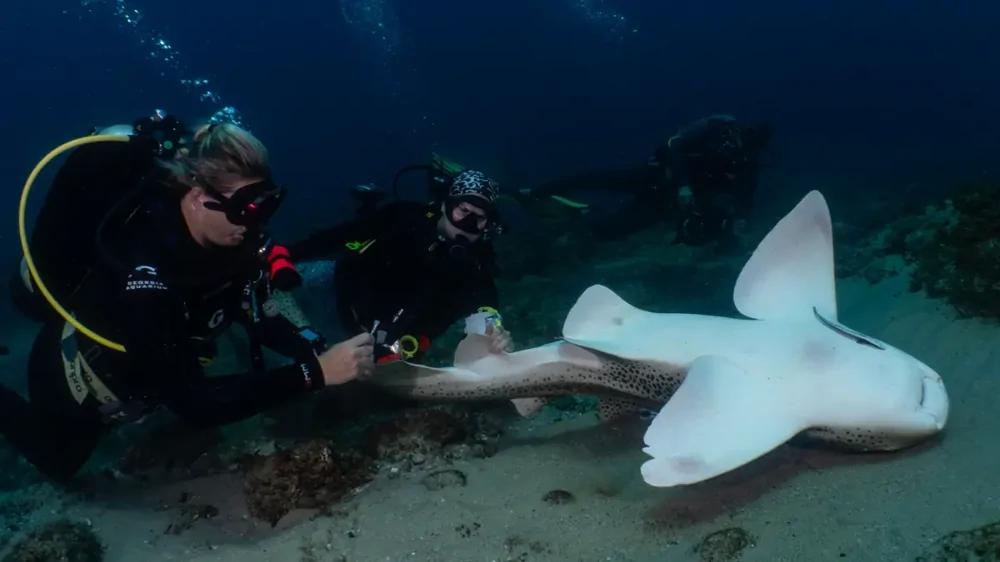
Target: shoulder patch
[144,278]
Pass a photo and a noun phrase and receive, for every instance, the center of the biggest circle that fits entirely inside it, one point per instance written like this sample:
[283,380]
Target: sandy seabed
[797,503]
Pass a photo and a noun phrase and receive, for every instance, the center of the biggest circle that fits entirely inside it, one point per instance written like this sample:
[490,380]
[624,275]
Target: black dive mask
[250,206]
[470,223]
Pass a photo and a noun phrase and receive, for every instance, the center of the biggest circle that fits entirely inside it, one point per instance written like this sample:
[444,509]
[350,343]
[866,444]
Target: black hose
[405,170]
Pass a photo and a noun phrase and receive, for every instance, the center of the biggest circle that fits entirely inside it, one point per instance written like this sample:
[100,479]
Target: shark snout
[934,399]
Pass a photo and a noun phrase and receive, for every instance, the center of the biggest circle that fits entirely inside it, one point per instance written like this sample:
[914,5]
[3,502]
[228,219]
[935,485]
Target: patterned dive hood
[474,183]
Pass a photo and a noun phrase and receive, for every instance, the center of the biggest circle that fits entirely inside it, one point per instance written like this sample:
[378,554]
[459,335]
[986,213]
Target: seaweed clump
[976,545]
[415,434]
[724,546]
[312,475]
[962,261]
[61,540]
[428,436]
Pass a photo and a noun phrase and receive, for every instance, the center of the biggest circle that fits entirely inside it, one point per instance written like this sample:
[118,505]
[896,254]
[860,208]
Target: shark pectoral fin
[527,407]
[791,271]
[721,417]
[612,408]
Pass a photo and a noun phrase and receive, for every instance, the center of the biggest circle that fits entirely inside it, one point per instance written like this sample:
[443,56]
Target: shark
[725,390]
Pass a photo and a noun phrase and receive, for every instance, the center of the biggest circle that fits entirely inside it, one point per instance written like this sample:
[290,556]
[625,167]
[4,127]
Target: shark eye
[847,332]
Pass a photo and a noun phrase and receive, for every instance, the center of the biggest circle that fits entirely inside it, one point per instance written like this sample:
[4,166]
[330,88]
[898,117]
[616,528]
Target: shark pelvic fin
[791,272]
[613,408]
[527,407]
[721,417]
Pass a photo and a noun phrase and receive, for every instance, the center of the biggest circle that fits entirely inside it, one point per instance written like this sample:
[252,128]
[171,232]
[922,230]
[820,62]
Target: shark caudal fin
[721,417]
[791,272]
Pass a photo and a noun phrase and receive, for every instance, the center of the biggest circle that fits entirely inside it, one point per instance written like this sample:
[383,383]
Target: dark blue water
[859,93]
[886,99]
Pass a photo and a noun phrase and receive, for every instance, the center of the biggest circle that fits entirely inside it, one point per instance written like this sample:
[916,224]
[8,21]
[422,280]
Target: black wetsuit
[394,260]
[722,185]
[651,191]
[165,299]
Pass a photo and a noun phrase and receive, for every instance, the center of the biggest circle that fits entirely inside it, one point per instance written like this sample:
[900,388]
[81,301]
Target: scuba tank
[438,176]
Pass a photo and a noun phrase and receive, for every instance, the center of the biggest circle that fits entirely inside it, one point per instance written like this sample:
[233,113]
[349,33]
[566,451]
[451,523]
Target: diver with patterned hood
[408,271]
[704,179]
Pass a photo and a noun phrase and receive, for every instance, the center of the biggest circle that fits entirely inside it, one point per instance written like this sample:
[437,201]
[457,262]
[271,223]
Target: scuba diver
[704,177]
[142,284]
[407,271]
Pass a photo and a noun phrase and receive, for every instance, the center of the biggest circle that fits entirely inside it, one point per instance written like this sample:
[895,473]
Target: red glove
[283,274]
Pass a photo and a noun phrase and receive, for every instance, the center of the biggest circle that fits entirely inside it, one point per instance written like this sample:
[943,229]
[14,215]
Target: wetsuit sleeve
[631,180]
[163,367]
[282,335]
[480,293]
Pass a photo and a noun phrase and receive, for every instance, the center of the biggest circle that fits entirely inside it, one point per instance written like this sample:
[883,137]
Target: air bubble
[163,52]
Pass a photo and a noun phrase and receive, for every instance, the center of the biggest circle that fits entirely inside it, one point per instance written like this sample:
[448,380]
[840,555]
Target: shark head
[789,280]
[904,400]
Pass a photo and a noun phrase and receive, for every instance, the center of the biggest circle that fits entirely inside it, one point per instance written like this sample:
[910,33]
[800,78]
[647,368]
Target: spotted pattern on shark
[640,383]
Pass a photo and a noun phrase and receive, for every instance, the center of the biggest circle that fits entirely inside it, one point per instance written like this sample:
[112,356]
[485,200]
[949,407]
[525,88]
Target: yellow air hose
[23,233]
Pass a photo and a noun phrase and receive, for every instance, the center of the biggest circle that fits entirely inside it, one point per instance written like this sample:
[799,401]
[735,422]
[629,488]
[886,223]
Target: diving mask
[470,223]
[250,206]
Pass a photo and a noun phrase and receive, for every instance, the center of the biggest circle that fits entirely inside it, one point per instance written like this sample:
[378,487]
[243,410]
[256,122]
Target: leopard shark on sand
[727,390]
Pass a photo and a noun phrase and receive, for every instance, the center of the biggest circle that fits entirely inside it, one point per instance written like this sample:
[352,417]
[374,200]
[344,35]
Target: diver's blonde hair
[220,154]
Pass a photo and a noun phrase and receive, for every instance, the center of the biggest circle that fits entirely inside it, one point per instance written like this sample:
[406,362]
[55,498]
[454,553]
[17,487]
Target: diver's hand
[500,340]
[348,360]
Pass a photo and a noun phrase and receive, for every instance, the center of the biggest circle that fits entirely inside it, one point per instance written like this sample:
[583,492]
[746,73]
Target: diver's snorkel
[437,180]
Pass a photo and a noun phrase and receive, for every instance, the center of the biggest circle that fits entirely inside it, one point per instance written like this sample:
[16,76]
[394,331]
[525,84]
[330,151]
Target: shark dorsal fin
[791,272]
[597,314]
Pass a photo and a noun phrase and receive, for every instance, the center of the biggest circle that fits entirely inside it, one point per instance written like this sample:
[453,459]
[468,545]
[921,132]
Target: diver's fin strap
[80,376]
[449,167]
[97,387]
[569,202]
[358,246]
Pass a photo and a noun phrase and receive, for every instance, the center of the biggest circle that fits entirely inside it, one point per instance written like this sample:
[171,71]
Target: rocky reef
[724,546]
[961,261]
[951,249]
[62,540]
[15,472]
[312,475]
[429,436]
[976,545]
[15,512]
[317,474]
